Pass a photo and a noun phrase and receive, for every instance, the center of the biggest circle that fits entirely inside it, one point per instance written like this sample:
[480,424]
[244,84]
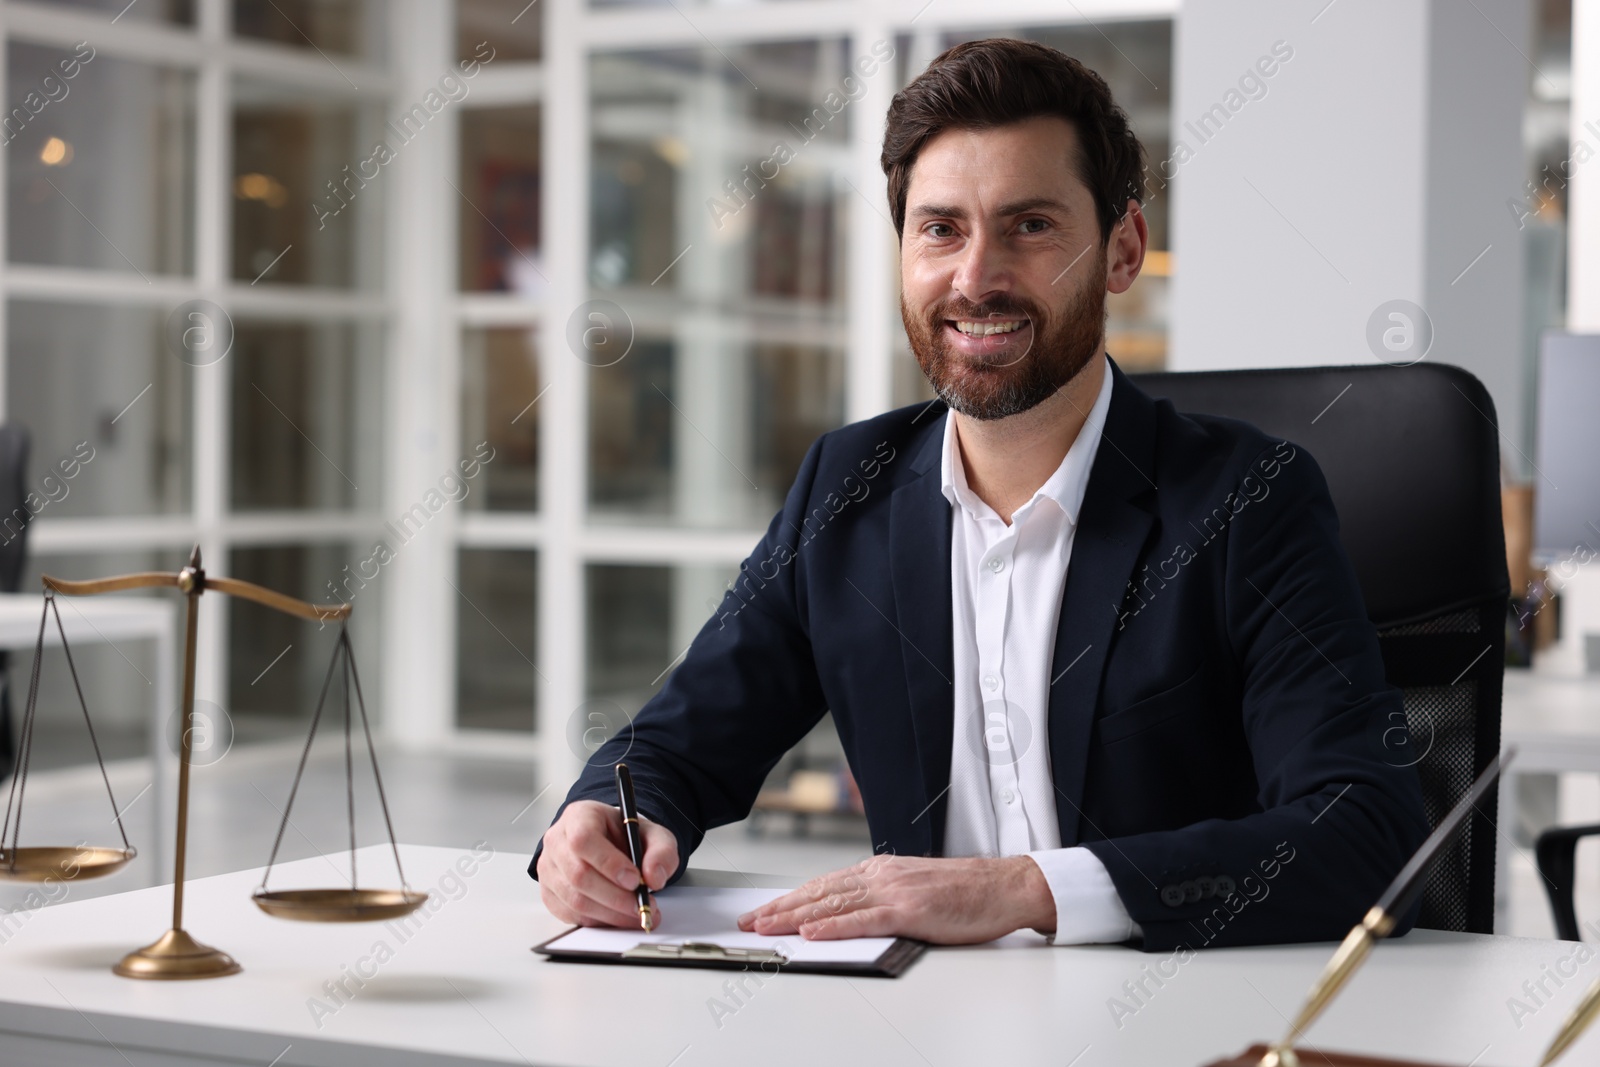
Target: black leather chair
[1412,459]
[14,521]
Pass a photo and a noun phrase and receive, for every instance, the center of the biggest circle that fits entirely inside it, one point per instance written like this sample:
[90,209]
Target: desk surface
[1539,702]
[461,986]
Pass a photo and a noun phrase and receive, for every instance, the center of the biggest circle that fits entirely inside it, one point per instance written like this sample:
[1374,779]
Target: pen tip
[644,919]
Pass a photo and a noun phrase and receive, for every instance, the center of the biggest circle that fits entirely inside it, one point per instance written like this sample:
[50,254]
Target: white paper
[698,913]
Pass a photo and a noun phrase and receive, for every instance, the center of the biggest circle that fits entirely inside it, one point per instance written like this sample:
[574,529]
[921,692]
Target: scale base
[176,956]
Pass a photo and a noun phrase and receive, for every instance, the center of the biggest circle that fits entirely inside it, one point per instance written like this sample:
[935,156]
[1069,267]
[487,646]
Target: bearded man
[1101,670]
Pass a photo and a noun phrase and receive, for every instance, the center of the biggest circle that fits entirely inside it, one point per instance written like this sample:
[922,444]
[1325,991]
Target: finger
[772,925]
[590,841]
[592,901]
[781,905]
[809,893]
[593,885]
[660,853]
[878,921]
[595,915]
[788,920]
[586,911]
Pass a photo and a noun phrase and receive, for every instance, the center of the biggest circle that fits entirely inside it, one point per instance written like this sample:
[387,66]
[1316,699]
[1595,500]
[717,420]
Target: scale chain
[372,752]
[343,656]
[89,723]
[300,770]
[25,741]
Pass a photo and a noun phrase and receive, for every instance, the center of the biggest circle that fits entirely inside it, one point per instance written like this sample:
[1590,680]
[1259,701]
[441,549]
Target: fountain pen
[630,827]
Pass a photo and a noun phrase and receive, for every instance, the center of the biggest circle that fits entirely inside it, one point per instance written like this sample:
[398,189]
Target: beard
[1002,382]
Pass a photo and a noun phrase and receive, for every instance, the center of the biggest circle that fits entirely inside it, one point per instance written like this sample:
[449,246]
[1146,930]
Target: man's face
[1002,266]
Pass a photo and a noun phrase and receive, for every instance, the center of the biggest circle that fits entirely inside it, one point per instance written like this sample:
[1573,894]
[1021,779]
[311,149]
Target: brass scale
[176,954]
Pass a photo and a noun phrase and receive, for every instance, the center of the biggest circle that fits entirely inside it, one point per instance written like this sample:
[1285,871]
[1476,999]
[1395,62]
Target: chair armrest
[1555,854]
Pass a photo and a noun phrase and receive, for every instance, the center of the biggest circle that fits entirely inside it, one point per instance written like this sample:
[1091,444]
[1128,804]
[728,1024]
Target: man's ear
[1126,247]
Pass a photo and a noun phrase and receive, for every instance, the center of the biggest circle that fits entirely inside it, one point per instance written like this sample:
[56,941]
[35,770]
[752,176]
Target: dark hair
[980,85]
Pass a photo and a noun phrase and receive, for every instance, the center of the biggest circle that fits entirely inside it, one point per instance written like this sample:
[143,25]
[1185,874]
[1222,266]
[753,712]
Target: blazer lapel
[1111,534]
[919,538]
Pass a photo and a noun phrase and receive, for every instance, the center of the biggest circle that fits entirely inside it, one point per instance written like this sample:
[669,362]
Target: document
[702,914]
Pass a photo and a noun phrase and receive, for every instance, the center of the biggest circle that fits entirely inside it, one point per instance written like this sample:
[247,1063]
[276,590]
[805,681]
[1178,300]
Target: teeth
[984,329]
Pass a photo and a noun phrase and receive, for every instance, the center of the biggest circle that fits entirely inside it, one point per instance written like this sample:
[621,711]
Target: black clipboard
[892,963]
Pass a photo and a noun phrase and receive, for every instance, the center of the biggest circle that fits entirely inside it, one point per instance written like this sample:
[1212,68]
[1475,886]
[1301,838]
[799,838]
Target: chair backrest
[14,515]
[1412,459]
[14,521]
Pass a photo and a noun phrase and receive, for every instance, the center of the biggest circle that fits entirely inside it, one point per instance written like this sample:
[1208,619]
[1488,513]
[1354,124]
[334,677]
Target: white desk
[464,988]
[107,620]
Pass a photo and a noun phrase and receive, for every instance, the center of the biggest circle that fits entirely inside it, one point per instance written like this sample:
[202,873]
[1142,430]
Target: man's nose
[985,268]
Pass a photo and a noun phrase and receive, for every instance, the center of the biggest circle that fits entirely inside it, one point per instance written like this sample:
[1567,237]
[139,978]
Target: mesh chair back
[14,520]
[1411,455]
[14,515]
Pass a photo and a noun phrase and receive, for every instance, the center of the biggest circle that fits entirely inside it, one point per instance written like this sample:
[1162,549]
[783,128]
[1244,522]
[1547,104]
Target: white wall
[1375,167]
[1583,218]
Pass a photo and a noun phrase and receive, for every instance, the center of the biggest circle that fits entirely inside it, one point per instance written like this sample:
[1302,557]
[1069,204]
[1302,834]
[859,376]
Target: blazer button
[1208,887]
[1172,896]
[1191,892]
[1225,886]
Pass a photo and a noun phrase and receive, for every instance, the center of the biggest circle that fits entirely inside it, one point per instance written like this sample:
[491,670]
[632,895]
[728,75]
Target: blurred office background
[577,257]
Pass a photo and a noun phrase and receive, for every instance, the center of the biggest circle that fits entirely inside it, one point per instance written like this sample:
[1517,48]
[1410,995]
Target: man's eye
[1028,223]
[933,228]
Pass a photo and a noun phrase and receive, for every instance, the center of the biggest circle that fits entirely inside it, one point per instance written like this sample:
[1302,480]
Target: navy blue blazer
[1217,705]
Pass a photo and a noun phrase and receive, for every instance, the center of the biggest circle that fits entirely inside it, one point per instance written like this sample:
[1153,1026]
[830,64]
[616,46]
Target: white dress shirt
[1006,585]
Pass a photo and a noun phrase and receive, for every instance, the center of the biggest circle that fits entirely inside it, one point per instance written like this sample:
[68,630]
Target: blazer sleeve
[746,692]
[1338,820]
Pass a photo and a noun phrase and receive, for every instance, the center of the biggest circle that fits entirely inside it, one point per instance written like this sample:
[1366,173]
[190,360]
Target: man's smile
[980,337]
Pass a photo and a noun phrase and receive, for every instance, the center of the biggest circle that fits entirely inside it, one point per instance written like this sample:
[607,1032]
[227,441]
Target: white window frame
[423,313]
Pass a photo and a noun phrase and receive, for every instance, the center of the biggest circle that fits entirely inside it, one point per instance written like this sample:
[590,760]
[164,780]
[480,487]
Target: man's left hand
[942,901]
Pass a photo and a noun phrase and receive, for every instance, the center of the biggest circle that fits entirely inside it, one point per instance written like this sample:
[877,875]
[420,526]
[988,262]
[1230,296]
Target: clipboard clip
[703,950]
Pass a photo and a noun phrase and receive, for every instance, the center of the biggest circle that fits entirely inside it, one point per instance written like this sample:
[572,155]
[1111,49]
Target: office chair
[14,520]
[1412,460]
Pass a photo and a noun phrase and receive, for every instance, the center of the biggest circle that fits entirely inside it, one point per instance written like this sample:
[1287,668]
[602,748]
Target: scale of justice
[177,955]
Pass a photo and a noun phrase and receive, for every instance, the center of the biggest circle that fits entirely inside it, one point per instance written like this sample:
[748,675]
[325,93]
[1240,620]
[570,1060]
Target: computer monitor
[1566,520]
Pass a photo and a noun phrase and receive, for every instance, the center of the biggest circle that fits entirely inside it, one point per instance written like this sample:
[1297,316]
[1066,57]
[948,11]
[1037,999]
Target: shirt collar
[1066,486]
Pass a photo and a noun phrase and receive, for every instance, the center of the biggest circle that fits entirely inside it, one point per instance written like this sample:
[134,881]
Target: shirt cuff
[1088,909]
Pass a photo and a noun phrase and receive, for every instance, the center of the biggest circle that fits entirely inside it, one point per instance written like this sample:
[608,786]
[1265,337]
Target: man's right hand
[585,875]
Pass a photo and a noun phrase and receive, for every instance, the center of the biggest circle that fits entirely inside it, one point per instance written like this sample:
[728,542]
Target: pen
[1576,1024]
[1381,918]
[630,826]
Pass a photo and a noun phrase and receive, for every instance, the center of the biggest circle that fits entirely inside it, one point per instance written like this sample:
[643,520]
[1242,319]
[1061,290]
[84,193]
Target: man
[1101,670]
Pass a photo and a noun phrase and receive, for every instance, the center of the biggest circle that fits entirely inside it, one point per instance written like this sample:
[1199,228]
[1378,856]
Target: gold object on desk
[176,954]
[57,863]
[1377,924]
[1574,1026]
[352,905]
[340,905]
[1352,953]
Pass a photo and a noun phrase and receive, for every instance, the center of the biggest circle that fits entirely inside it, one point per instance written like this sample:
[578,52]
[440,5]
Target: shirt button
[991,682]
[1008,796]
[997,564]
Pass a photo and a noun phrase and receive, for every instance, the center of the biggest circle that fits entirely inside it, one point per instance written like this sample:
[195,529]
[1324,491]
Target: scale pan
[62,864]
[339,905]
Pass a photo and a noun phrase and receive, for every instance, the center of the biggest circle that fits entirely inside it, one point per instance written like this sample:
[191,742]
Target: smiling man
[1101,670]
